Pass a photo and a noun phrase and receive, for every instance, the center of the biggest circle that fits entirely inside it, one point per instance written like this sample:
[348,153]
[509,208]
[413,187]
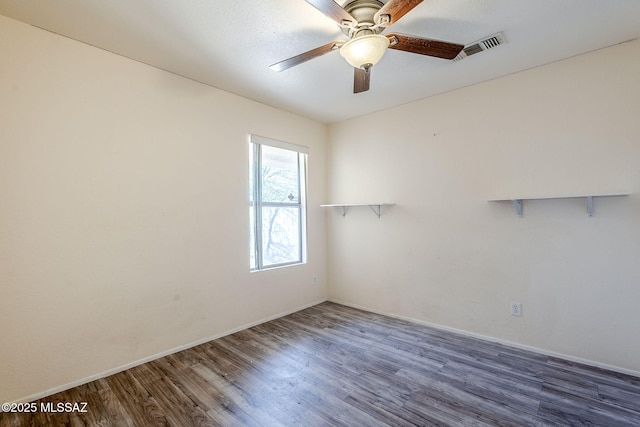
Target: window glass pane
[280,181]
[280,235]
[252,238]
[252,167]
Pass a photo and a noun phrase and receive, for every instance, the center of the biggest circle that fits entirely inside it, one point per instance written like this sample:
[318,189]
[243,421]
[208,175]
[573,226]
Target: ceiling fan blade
[393,10]
[422,46]
[332,9]
[304,57]
[361,79]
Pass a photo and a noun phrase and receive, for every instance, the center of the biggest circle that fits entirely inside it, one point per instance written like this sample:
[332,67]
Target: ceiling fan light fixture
[365,51]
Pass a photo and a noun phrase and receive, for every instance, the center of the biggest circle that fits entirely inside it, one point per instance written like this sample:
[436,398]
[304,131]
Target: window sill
[277,267]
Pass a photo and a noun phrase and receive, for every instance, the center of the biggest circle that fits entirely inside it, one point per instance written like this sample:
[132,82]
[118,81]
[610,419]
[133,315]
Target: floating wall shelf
[375,207]
[518,202]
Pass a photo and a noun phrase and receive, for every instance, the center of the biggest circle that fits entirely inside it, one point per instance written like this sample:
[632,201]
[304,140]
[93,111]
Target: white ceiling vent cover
[481,45]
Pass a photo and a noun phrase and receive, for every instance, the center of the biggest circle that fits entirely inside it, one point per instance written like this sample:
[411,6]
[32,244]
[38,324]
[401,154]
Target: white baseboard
[494,339]
[118,369]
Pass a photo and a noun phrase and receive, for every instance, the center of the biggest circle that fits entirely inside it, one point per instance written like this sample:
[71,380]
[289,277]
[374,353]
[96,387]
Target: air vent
[473,49]
[481,45]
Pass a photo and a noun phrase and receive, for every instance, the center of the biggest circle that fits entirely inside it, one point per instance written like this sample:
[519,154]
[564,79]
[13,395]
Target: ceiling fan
[363,21]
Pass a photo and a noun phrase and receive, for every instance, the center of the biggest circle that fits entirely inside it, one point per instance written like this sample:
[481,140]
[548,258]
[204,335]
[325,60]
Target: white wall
[444,255]
[123,212]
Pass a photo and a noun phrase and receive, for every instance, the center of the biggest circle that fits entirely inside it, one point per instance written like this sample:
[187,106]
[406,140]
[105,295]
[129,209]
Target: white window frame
[256,204]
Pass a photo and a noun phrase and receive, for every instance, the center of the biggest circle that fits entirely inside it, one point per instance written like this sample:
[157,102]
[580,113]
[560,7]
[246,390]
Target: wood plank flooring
[331,365]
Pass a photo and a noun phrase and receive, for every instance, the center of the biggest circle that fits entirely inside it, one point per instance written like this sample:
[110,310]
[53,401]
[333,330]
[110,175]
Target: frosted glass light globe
[365,51]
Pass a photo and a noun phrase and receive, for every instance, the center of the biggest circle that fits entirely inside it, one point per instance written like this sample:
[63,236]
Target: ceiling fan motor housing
[363,11]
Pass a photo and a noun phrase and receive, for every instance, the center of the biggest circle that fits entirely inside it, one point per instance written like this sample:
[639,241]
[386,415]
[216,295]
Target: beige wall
[123,212]
[444,255]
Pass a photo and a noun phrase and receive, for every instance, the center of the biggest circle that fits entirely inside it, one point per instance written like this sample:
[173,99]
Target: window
[277,209]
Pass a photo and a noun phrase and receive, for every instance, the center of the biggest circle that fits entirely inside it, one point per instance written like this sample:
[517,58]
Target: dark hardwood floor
[331,365]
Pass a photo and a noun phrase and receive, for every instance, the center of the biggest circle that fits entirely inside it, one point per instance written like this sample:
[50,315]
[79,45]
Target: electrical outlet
[516,309]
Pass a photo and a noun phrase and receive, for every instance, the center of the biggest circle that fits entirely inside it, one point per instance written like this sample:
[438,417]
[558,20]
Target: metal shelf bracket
[517,204]
[590,205]
[376,209]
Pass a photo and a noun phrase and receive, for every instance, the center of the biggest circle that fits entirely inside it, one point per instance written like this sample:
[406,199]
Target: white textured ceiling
[229,44]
